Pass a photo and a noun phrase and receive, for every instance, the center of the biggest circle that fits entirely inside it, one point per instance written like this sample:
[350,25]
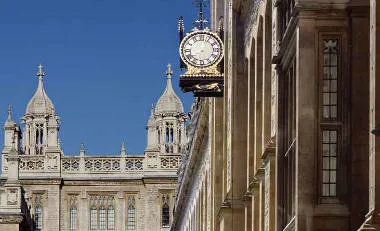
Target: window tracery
[38,205]
[73,219]
[39,138]
[102,212]
[331,119]
[165,219]
[131,213]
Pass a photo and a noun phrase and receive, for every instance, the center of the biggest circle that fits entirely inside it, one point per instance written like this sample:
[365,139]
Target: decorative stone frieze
[10,219]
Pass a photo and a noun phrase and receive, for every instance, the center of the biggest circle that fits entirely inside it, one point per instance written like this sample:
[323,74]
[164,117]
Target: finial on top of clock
[201,21]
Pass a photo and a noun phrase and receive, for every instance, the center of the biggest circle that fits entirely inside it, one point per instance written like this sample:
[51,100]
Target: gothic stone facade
[84,192]
[289,146]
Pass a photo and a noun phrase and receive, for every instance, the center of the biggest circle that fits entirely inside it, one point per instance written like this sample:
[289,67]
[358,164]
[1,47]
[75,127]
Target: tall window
[159,135]
[165,211]
[329,154]
[131,213]
[38,211]
[330,119]
[102,212]
[287,146]
[286,9]
[73,219]
[169,134]
[330,80]
[110,215]
[93,217]
[39,138]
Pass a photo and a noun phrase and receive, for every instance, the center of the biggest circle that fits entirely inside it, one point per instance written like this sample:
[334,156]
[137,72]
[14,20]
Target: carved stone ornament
[52,161]
[152,161]
[12,196]
[10,219]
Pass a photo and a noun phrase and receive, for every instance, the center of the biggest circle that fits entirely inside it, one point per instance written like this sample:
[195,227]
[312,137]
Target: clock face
[201,49]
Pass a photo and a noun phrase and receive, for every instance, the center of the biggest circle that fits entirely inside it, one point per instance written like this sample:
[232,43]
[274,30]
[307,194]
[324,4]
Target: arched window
[179,136]
[131,214]
[159,135]
[37,135]
[39,138]
[38,212]
[102,212]
[167,134]
[171,135]
[165,212]
[73,212]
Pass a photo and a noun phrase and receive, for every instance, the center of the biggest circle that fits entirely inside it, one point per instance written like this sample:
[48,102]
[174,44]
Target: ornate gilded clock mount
[201,52]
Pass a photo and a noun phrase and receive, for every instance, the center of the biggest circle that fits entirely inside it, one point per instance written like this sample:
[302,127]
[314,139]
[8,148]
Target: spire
[40,102]
[169,101]
[9,112]
[169,73]
[82,150]
[40,74]
[9,123]
[122,150]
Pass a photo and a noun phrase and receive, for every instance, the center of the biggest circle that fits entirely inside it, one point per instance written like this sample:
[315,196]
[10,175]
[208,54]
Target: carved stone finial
[169,71]
[180,24]
[10,112]
[82,150]
[40,72]
[123,150]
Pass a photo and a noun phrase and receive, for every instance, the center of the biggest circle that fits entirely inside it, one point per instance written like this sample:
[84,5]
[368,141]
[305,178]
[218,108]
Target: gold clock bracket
[209,71]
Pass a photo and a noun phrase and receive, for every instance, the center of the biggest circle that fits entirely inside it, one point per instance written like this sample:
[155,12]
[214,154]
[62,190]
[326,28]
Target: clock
[201,49]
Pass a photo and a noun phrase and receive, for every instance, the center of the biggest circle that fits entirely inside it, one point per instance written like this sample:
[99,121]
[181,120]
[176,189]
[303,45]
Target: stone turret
[41,122]
[166,124]
[42,127]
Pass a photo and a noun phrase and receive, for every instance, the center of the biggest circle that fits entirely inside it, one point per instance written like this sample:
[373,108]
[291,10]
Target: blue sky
[104,61]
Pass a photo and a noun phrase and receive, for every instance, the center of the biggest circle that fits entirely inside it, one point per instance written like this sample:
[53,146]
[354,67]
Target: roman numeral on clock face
[189,57]
[214,56]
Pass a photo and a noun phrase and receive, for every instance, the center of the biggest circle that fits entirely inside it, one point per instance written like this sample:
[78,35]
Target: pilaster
[306,121]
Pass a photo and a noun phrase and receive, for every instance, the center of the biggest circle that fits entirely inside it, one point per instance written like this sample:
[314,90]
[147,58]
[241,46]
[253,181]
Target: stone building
[289,145]
[49,190]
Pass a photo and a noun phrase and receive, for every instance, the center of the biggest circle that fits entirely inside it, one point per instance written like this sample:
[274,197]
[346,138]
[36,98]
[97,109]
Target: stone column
[359,112]
[84,214]
[373,217]
[306,120]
